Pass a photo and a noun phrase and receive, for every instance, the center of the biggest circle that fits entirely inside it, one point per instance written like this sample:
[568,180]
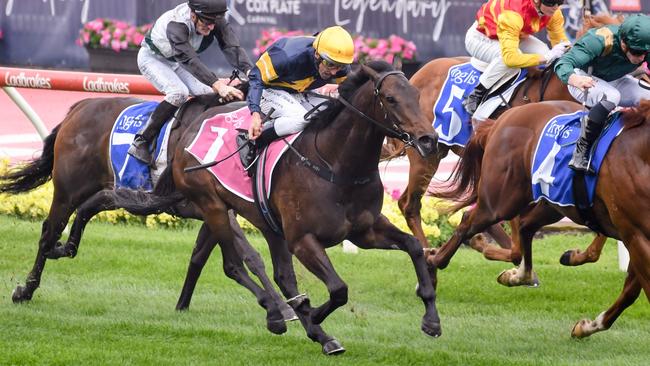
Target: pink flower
[116,45]
[395,194]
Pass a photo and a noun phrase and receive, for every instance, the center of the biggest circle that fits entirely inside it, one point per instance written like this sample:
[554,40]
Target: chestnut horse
[75,157]
[315,213]
[495,174]
[429,80]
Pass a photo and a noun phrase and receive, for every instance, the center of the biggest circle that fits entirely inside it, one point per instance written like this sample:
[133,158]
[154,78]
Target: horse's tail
[463,184]
[163,197]
[35,173]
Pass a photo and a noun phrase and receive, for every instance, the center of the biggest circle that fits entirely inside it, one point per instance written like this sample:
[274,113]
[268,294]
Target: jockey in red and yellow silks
[502,36]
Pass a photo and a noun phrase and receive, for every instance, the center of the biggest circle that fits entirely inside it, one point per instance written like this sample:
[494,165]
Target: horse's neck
[350,143]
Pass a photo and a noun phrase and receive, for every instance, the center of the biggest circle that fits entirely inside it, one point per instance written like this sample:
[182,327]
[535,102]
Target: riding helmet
[635,32]
[208,9]
[335,44]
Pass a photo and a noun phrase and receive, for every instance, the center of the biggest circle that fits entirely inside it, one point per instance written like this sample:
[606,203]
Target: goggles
[636,52]
[552,3]
[208,19]
[332,65]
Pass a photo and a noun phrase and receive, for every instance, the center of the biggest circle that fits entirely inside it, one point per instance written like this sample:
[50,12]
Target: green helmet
[635,32]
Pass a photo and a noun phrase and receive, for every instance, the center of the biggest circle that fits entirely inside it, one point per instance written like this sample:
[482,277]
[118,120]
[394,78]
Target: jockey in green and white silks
[169,59]
[611,53]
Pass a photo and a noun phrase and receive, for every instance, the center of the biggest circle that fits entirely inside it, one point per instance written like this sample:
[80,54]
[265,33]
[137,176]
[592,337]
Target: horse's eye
[391,100]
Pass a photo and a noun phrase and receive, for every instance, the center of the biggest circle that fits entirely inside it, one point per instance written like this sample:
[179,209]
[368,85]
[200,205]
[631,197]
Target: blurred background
[45,33]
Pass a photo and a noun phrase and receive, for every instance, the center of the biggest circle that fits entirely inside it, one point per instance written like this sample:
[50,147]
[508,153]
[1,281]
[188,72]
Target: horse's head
[395,103]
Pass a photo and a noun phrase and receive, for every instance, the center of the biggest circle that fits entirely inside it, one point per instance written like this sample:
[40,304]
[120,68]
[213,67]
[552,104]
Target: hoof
[504,278]
[56,252]
[578,329]
[20,295]
[333,347]
[432,330]
[276,326]
[287,312]
[565,259]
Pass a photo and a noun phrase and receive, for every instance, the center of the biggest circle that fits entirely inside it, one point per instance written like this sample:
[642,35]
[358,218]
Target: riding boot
[139,149]
[474,99]
[266,137]
[591,129]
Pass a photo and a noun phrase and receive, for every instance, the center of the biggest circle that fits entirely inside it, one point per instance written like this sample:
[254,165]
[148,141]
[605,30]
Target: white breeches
[624,92]
[488,50]
[170,78]
[290,109]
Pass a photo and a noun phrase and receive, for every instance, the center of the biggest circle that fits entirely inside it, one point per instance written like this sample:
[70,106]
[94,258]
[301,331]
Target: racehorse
[495,174]
[315,213]
[75,157]
[429,80]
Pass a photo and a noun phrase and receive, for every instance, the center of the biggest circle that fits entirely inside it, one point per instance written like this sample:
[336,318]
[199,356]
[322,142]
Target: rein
[326,172]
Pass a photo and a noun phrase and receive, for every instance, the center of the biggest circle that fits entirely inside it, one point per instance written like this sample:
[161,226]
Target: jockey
[169,59]
[610,54]
[502,36]
[287,69]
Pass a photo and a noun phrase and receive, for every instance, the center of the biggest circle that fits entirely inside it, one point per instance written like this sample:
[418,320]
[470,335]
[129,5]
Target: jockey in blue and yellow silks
[287,69]
[502,36]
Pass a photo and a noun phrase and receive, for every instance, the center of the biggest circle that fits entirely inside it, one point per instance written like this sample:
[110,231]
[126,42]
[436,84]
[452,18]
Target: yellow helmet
[335,44]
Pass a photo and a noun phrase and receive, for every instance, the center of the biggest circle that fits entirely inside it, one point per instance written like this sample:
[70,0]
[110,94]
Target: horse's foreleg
[384,235]
[312,255]
[421,172]
[285,277]
[50,233]
[631,291]
[577,257]
[203,247]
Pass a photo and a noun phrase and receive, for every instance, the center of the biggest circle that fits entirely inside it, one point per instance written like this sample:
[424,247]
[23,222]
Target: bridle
[394,130]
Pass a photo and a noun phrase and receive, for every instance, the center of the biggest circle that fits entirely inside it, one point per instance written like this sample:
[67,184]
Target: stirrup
[139,149]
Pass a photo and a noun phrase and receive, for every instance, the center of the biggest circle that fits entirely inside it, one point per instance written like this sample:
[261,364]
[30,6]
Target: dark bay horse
[314,213]
[75,157]
[495,173]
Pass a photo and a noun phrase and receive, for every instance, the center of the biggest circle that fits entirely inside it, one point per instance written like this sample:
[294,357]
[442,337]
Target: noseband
[393,131]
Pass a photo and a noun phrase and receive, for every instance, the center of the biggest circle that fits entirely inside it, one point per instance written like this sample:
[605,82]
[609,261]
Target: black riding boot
[140,147]
[266,137]
[591,129]
[474,99]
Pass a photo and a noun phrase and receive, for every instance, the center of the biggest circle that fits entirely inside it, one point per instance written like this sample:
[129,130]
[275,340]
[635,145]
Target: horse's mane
[346,90]
[634,117]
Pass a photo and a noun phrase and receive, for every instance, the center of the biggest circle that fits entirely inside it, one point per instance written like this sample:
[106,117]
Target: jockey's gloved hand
[556,52]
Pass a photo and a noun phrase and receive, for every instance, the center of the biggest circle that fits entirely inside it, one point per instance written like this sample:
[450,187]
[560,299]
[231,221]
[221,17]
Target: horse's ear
[370,72]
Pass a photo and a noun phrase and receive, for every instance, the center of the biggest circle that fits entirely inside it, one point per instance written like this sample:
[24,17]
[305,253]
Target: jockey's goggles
[636,52]
[332,65]
[208,19]
[552,3]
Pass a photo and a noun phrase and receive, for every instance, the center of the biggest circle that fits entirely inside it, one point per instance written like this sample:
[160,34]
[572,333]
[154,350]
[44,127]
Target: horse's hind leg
[254,262]
[101,201]
[384,235]
[285,277]
[529,223]
[203,247]
[51,231]
[421,172]
[216,216]
[577,257]
[631,291]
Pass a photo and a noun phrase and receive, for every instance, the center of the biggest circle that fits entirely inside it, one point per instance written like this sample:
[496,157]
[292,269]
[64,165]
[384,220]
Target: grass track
[114,304]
